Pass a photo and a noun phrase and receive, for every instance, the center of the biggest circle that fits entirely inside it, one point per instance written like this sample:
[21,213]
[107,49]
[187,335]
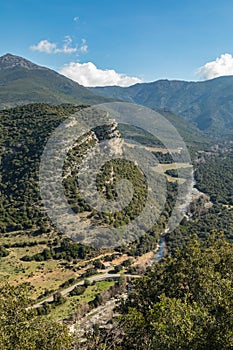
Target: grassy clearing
[72,303]
[42,276]
[166,167]
[162,168]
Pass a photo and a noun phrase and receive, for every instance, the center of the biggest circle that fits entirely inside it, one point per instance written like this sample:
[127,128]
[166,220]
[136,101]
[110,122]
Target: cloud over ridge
[223,65]
[87,74]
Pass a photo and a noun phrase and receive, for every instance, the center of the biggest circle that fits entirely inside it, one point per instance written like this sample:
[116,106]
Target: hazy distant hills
[23,82]
[190,133]
[207,104]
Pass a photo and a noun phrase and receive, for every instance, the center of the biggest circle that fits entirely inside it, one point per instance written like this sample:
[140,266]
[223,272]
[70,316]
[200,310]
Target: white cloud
[44,46]
[49,47]
[84,46]
[88,74]
[223,65]
[67,46]
[76,19]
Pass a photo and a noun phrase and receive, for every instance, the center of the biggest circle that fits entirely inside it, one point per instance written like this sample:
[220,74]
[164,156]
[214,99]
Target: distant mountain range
[207,104]
[23,82]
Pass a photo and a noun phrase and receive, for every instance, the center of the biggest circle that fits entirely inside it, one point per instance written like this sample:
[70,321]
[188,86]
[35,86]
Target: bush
[78,290]
[3,252]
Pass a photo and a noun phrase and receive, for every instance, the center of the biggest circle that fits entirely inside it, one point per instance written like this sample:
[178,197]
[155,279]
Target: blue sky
[145,39]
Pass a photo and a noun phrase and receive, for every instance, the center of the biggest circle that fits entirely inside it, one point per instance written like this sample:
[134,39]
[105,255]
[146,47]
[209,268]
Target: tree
[185,302]
[21,329]
[58,299]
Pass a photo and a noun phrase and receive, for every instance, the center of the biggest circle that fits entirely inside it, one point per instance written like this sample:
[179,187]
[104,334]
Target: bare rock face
[9,61]
[111,133]
[107,131]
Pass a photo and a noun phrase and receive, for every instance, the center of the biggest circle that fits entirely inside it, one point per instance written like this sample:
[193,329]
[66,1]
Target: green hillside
[23,82]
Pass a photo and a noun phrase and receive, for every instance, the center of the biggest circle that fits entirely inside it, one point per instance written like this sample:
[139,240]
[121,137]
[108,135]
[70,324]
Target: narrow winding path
[95,278]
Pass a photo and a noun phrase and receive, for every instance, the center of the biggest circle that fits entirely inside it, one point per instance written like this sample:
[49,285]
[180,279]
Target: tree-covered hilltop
[183,302]
[24,132]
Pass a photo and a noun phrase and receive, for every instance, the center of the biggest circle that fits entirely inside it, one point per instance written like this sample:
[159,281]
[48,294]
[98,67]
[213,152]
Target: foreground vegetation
[183,302]
[21,329]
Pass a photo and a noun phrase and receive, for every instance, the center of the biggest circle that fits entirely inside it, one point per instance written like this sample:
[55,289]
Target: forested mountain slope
[22,82]
[206,104]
